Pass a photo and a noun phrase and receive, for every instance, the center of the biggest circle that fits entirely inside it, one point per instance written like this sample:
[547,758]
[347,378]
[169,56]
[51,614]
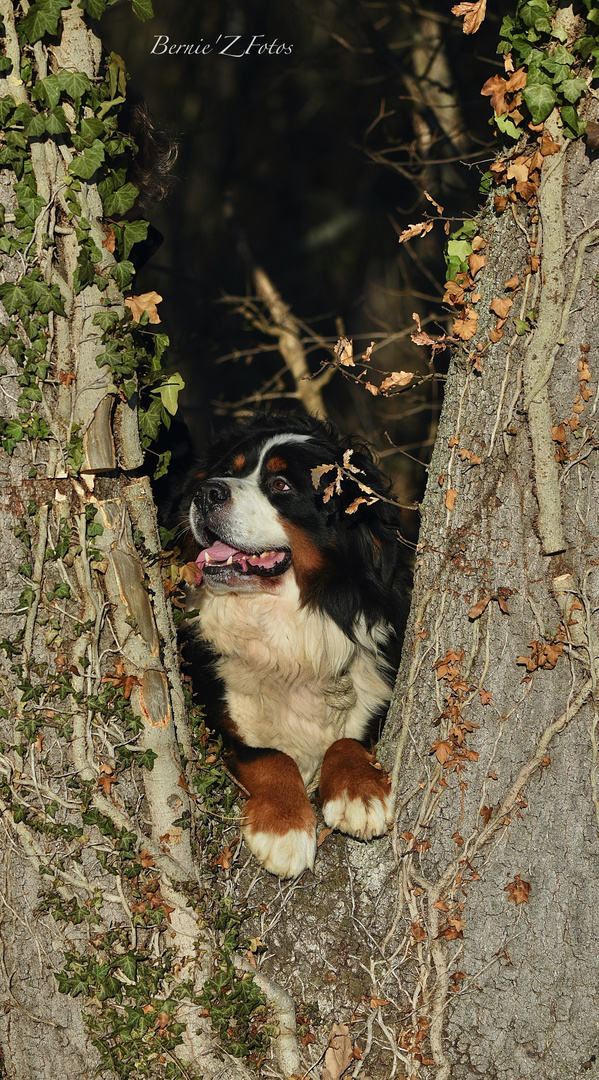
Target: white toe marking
[286,855]
[357,818]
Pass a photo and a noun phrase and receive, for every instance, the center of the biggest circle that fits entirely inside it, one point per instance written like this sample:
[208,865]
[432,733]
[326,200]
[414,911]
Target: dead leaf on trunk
[500,306]
[477,610]
[518,890]
[476,262]
[144,302]
[465,325]
[339,1054]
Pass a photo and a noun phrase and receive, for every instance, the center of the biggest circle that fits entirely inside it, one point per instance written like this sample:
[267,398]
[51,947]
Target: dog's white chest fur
[294,682]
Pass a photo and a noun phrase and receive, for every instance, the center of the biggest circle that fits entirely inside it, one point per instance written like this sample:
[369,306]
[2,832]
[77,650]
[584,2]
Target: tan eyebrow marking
[238,462]
[276,464]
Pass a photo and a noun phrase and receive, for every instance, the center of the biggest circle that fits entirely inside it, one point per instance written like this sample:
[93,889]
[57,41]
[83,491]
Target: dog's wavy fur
[301,607]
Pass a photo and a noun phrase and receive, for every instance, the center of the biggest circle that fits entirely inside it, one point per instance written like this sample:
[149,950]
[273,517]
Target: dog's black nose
[213,492]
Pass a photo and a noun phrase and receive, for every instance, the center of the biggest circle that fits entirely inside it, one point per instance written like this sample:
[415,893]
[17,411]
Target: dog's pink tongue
[219,552]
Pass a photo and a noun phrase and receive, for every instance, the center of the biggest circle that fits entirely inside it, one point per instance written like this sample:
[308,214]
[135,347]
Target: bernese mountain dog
[301,593]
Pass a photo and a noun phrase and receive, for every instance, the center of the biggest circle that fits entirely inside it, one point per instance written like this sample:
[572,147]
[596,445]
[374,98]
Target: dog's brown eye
[280,484]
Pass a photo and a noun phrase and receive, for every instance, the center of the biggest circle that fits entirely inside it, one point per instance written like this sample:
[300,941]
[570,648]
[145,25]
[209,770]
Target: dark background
[309,165]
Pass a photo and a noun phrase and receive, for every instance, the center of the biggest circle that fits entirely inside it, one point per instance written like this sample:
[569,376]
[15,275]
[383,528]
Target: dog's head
[286,495]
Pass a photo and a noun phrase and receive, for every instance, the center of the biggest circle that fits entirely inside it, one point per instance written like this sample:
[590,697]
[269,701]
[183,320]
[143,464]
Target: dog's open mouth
[221,559]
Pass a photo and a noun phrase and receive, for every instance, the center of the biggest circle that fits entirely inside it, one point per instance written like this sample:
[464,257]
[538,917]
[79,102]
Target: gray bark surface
[526,1004]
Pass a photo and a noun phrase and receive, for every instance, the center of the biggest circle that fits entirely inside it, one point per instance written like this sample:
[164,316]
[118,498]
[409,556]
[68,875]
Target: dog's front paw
[363,816]
[286,846]
[287,855]
[355,791]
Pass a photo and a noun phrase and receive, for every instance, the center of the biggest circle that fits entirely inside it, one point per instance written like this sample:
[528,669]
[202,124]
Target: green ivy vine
[558,72]
[100,155]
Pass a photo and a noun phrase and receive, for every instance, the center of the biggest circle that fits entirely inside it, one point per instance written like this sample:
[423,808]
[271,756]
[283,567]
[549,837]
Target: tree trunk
[495,715]
[100,891]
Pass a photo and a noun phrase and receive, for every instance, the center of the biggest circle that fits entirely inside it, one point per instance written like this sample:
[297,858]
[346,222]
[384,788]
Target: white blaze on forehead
[276,440]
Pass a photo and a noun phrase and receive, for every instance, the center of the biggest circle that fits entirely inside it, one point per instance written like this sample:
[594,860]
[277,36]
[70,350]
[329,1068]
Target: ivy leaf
[42,18]
[56,122]
[161,342]
[88,162]
[117,75]
[74,83]
[85,272]
[122,272]
[90,129]
[50,299]
[5,63]
[563,56]
[95,8]
[128,965]
[149,422]
[36,126]
[458,249]
[169,392]
[133,232]
[30,203]
[540,100]
[24,114]
[164,461]
[507,126]
[33,288]
[15,301]
[118,202]
[572,122]
[572,89]
[106,319]
[47,91]
[143,9]
[7,107]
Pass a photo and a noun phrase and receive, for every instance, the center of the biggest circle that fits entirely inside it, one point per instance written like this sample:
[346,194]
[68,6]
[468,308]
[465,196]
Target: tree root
[285,1044]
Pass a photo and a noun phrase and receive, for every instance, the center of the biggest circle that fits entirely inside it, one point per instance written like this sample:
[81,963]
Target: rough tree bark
[92,694]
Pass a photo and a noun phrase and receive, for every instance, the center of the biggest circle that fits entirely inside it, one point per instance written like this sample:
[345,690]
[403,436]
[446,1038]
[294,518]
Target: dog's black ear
[368,578]
[150,168]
